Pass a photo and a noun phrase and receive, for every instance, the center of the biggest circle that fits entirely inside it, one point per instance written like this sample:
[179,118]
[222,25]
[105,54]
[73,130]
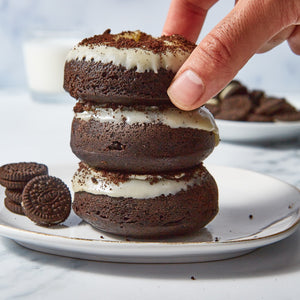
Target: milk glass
[44,58]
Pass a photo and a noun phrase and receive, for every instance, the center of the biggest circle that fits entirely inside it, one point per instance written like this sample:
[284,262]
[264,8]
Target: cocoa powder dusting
[138,39]
[82,106]
[115,177]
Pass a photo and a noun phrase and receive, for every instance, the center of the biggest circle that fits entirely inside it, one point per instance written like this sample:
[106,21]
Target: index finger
[186,17]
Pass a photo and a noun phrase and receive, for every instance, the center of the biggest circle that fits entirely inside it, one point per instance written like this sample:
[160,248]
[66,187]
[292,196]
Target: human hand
[252,26]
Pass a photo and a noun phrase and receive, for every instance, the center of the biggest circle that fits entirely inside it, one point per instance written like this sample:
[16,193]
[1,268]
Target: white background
[276,72]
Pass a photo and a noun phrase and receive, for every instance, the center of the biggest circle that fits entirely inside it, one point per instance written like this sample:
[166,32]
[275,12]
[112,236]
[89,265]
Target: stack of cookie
[141,172]
[14,178]
[30,191]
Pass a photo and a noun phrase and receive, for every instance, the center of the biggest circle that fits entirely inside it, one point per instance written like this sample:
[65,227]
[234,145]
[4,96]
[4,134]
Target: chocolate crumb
[216,239]
[94,180]
[193,278]
[101,237]
[251,217]
[107,31]
[141,40]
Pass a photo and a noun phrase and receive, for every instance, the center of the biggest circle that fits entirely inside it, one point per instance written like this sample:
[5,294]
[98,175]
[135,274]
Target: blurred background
[276,72]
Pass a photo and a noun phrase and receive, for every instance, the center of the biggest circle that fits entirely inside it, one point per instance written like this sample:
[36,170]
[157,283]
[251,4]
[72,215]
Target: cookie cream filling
[141,59]
[135,186]
[200,118]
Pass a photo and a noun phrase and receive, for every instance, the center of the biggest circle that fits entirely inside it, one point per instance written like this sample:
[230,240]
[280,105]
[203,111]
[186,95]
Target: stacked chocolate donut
[141,172]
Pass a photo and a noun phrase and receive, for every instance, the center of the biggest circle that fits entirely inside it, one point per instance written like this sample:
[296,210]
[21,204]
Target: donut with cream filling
[129,67]
[145,206]
[142,139]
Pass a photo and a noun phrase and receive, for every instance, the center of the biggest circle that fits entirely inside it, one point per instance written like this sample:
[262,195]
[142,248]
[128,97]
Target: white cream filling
[143,60]
[200,118]
[137,186]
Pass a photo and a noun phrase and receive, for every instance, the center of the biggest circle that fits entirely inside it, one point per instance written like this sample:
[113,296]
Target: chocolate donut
[145,206]
[129,67]
[142,139]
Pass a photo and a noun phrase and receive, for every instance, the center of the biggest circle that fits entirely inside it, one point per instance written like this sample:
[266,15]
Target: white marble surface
[31,131]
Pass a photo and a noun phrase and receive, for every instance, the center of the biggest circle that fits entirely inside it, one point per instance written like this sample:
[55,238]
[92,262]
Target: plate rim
[276,237]
[261,124]
[257,132]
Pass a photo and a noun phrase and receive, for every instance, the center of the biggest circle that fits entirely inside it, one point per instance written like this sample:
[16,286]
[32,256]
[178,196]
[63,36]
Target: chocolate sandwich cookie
[232,89]
[22,171]
[258,118]
[16,175]
[46,200]
[129,67]
[269,106]
[14,195]
[145,206]
[13,206]
[142,139]
[13,185]
[234,108]
[256,96]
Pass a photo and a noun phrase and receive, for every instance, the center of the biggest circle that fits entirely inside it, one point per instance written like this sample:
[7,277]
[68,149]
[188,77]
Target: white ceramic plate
[251,132]
[255,210]
[238,131]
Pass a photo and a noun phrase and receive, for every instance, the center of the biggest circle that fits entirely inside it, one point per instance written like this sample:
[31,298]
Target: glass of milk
[44,57]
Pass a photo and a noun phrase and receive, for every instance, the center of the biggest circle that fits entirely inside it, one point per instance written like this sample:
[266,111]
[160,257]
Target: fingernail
[186,90]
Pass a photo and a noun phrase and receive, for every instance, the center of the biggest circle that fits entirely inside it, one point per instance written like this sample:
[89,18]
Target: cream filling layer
[143,60]
[200,118]
[137,186]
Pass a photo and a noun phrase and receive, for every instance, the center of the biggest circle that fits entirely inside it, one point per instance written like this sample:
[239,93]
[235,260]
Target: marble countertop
[41,132]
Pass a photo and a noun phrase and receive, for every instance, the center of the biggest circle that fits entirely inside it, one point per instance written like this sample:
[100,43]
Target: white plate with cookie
[255,210]
[261,132]
[251,132]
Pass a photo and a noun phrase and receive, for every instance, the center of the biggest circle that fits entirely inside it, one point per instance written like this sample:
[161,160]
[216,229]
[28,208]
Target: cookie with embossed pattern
[46,200]
[16,175]
[14,195]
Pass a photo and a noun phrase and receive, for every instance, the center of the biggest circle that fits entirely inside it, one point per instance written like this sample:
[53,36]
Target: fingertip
[186,90]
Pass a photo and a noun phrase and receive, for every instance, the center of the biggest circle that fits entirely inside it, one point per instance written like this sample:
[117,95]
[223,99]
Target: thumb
[227,48]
